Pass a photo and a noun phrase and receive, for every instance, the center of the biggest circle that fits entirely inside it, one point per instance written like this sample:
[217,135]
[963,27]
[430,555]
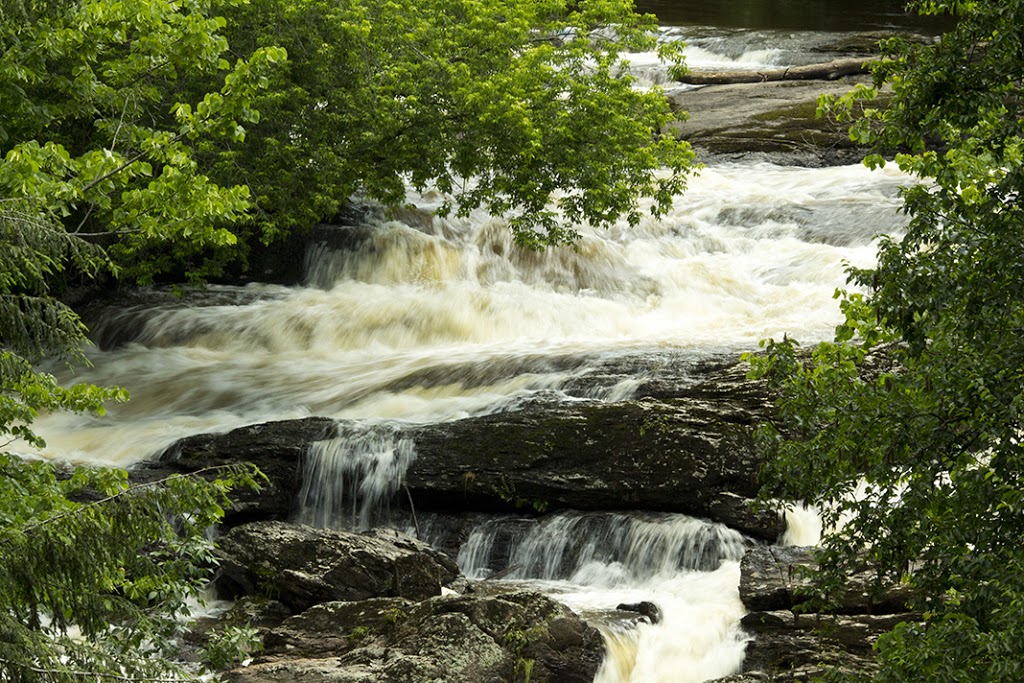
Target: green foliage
[907,429]
[230,646]
[97,170]
[358,633]
[508,105]
[95,138]
[506,490]
[94,574]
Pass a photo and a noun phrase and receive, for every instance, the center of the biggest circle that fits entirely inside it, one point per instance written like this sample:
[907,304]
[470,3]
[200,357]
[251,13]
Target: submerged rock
[645,608]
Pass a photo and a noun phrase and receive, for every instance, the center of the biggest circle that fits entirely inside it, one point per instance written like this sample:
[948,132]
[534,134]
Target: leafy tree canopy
[132,139]
[135,141]
[906,430]
[514,105]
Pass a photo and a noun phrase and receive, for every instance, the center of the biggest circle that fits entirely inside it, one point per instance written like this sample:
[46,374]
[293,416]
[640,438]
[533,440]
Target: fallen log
[828,71]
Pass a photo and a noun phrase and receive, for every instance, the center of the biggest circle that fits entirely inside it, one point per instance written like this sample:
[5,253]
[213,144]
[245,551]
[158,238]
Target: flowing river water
[423,320]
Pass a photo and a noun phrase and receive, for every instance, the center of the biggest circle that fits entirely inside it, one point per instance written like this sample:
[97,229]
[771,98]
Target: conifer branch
[90,674]
[128,491]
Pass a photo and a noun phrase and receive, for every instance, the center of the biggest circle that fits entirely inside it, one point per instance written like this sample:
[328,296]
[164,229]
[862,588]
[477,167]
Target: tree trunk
[828,71]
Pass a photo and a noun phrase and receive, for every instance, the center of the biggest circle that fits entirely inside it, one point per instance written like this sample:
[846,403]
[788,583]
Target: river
[427,320]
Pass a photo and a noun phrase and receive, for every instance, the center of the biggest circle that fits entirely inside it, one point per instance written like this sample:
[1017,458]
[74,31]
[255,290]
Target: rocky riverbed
[382,606]
[773,120]
[570,430]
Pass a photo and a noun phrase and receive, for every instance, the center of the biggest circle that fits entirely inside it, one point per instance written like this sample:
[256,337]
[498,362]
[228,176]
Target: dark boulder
[645,608]
[692,453]
[682,455]
[495,638]
[301,566]
[277,448]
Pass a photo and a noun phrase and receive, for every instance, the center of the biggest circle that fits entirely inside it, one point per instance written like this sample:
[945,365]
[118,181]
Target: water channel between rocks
[417,320]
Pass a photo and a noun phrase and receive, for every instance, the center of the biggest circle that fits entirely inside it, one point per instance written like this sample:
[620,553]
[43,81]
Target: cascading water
[431,320]
[349,481]
[422,320]
[595,562]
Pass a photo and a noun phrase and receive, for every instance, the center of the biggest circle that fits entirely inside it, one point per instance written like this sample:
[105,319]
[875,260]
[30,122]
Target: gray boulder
[301,566]
[497,638]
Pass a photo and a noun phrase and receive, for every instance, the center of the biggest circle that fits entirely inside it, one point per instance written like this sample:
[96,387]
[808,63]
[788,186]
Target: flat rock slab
[775,119]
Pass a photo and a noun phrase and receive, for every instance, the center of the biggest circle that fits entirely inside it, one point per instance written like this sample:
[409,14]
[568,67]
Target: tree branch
[86,675]
[119,494]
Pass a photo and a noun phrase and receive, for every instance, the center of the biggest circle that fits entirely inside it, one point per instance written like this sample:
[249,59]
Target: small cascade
[383,254]
[803,525]
[699,637]
[609,548]
[348,482]
[595,562]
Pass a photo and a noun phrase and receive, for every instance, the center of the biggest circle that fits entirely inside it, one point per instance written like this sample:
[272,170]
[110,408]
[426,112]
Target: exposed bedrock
[692,454]
[301,566]
[789,643]
[333,606]
[773,120]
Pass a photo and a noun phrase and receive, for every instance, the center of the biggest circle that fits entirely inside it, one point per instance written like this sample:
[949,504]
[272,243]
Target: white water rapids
[427,320]
[440,319]
[422,320]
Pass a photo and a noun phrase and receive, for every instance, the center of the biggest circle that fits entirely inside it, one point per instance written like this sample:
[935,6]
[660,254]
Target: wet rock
[301,566]
[776,120]
[683,455]
[691,453]
[866,42]
[277,448]
[645,608]
[777,577]
[790,645]
[449,532]
[784,641]
[496,638]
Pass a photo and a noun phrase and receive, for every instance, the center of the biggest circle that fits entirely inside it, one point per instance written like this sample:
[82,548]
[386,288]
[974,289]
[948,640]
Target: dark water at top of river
[797,15]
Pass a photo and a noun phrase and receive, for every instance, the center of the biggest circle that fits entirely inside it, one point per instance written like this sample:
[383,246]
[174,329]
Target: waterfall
[609,548]
[593,562]
[414,321]
[348,481]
